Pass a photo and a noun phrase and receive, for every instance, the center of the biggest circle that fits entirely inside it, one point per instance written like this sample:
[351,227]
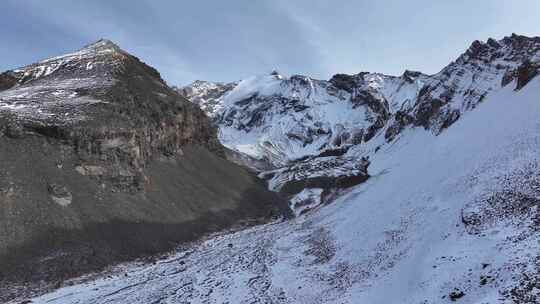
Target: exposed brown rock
[525,73]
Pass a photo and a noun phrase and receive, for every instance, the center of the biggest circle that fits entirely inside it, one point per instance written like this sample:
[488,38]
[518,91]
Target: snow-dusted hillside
[444,218]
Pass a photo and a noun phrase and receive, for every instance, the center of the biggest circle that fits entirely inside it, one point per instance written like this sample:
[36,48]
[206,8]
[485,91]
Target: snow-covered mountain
[300,125]
[282,119]
[433,179]
[452,218]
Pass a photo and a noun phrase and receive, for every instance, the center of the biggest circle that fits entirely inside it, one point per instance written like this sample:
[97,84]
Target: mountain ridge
[299,125]
[487,65]
[102,162]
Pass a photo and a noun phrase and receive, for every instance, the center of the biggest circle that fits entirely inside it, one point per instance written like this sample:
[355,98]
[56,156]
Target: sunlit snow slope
[444,218]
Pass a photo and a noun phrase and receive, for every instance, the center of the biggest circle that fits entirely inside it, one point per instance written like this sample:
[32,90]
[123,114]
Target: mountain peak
[410,75]
[102,46]
[477,48]
[98,48]
[514,49]
[276,74]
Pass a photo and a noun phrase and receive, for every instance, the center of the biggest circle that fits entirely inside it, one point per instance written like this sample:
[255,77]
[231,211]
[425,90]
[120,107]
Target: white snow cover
[278,135]
[49,66]
[292,109]
[395,90]
[398,238]
[51,83]
[306,200]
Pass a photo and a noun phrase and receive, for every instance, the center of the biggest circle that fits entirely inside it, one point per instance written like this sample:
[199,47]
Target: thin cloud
[226,41]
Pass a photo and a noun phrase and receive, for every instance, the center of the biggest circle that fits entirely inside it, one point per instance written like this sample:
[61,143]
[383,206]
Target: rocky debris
[322,246]
[102,162]
[7,80]
[513,208]
[210,271]
[456,294]
[13,130]
[326,173]
[485,279]
[516,202]
[306,200]
[527,288]
[60,194]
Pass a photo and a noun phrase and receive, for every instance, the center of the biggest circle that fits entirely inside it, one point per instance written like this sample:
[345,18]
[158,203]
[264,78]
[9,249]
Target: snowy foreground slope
[452,217]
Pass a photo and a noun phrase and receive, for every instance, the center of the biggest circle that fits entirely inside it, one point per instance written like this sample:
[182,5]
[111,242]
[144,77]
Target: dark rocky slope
[102,162]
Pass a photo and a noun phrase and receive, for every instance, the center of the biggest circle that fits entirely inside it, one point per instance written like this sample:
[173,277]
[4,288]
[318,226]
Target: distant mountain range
[282,118]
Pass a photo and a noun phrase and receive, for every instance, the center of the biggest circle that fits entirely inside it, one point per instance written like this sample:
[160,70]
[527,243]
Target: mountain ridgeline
[291,117]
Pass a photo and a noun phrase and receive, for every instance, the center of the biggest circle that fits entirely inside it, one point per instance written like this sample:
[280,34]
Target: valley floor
[444,218]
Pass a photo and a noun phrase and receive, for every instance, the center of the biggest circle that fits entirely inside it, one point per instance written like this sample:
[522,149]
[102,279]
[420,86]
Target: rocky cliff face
[115,111]
[102,161]
[206,94]
[464,83]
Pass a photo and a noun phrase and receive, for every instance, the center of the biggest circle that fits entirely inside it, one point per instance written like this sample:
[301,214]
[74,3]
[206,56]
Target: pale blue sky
[229,40]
